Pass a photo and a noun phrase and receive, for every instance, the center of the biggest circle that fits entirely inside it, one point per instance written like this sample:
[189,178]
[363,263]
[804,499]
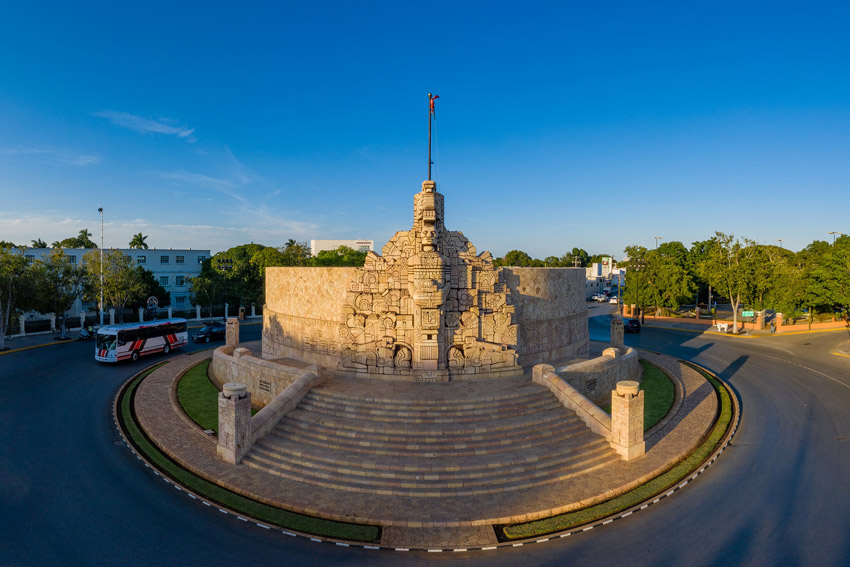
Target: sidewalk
[705,327]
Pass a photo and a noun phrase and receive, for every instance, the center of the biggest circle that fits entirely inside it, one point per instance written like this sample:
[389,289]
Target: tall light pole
[100,210]
[657,238]
[833,233]
[779,240]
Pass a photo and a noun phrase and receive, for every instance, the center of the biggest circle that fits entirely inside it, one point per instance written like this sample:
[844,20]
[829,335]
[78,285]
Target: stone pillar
[82,319]
[197,312]
[226,307]
[627,420]
[23,326]
[760,321]
[253,310]
[617,332]
[170,311]
[52,322]
[231,333]
[234,422]
[696,313]
[141,314]
[778,319]
[111,315]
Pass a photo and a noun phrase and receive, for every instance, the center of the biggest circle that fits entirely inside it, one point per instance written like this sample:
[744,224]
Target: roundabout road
[72,494]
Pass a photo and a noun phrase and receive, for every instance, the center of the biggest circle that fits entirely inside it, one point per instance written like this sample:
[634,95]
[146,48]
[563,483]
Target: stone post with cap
[617,332]
[231,333]
[627,420]
[234,422]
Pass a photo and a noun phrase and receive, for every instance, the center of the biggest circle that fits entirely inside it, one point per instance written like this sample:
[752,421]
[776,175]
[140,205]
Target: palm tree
[84,239]
[39,243]
[138,241]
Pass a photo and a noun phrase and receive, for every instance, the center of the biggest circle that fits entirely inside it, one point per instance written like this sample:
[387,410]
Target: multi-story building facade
[317,246]
[171,267]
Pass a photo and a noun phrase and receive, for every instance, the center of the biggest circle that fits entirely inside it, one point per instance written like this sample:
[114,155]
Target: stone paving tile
[186,443]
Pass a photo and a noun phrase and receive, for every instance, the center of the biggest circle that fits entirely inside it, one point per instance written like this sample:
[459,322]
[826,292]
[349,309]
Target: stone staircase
[430,440]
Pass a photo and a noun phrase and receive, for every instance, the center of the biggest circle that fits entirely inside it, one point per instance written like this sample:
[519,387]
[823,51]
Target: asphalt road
[72,494]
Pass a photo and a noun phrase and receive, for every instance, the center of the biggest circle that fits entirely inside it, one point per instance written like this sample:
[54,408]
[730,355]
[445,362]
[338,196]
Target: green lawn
[199,397]
[655,486]
[659,393]
[215,493]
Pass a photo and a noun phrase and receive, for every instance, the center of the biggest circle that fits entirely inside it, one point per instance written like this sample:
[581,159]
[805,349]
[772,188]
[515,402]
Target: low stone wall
[267,418]
[264,379]
[596,378]
[596,420]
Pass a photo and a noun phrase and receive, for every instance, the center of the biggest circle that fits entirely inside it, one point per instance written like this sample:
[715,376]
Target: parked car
[614,299]
[602,298]
[209,333]
[631,325]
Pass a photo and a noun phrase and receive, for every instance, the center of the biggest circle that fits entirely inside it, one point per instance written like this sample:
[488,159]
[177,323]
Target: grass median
[213,492]
[659,484]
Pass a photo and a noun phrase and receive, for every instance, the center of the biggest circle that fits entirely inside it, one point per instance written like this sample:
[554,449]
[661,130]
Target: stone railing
[595,378]
[238,430]
[265,379]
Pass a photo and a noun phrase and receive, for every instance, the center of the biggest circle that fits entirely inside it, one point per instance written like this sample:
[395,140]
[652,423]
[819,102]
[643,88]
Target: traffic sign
[748,313]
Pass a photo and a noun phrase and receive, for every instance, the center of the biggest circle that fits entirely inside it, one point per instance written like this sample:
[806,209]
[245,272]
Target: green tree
[121,282]
[60,283]
[39,243]
[150,288]
[517,258]
[295,254]
[576,256]
[16,290]
[342,256]
[668,282]
[138,242]
[82,240]
[730,260]
[208,287]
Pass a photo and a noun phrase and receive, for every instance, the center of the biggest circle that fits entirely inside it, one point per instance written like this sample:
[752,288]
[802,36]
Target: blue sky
[598,125]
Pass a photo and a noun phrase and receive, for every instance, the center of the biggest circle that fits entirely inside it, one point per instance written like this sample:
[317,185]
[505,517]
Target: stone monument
[429,308]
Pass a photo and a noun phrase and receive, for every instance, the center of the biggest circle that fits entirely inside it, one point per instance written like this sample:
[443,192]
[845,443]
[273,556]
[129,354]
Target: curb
[727,438]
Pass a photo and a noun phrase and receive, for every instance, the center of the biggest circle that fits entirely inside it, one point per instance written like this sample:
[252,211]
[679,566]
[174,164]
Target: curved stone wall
[551,313]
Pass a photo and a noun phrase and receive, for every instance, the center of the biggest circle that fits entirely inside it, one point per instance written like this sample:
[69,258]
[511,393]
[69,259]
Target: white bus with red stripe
[132,340]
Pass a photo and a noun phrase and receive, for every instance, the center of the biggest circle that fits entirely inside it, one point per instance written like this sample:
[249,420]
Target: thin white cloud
[61,156]
[147,125]
[221,185]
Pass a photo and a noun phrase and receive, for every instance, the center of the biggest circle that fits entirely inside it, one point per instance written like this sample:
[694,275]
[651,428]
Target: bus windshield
[105,342]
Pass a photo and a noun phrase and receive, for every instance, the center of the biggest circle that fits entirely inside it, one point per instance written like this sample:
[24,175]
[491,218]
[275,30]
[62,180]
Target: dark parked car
[631,325]
[209,333]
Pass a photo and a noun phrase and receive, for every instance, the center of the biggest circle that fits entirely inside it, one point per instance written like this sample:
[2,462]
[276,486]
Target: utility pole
[100,210]
[657,238]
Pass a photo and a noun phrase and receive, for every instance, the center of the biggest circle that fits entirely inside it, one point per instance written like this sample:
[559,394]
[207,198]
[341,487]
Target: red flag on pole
[432,99]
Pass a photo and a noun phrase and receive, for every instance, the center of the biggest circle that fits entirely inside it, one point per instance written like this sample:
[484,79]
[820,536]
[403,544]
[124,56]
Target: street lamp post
[100,210]
[657,238]
[833,233]
[779,240]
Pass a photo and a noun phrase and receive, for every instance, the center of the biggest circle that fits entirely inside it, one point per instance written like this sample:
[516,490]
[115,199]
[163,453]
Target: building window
[201,259]
[181,300]
[163,281]
[179,259]
[128,258]
[72,258]
[179,281]
[30,258]
[164,259]
[141,259]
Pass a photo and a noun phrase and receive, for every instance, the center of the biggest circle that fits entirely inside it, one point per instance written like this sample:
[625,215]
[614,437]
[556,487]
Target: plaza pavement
[448,520]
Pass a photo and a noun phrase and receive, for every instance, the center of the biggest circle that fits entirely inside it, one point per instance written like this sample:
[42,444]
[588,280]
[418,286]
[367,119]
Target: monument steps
[345,426]
[486,484]
[458,439]
[459,415]
[519,461]
[441,445]
[517,393]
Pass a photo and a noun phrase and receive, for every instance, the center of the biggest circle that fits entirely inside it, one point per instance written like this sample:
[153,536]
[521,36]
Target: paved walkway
[416,521]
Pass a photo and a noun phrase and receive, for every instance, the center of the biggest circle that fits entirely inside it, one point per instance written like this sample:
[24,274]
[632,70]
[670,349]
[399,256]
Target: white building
[171,267]
[317,246]
[602,276]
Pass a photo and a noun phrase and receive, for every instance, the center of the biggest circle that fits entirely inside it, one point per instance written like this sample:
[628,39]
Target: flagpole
[429,136]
